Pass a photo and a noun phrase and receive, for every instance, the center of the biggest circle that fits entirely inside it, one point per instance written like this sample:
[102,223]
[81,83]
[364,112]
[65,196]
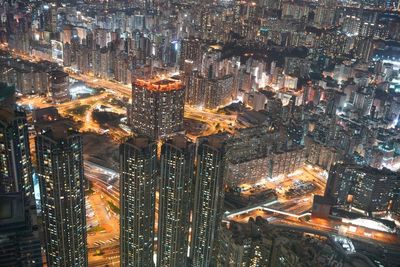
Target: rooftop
[58,74]
[216,140]
[6,91]
[57,130]
[140,141]
[159,84]
[311,248]
[180,141]
[7,114]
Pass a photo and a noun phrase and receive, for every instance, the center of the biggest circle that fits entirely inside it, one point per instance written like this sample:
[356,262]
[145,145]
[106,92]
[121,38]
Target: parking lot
[293,193]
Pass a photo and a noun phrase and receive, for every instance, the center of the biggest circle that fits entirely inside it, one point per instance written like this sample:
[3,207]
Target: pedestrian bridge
[265,207]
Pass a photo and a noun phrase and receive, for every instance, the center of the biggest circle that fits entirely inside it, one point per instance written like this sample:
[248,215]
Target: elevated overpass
[229,215]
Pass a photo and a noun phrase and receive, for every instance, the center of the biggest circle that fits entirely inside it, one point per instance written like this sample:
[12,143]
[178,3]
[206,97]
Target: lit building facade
[208,199]
[19,242]
[260,152]
[191,50]
[176,178]
[15,159]
[252,171]
[320,154]
[61,179]
[58,86]
[195,89]
[258,243]
[219,92]
[138,166]
[157,107]
[363,188]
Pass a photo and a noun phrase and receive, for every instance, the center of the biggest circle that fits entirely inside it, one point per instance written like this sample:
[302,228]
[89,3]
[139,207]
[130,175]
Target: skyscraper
[325,13]
[218,92]
[138,166]
[15,160]
[19,242]
[176,177]
[58,86]
[60,170]
[195,89]
[190,50]
[7,95]
[363,188]
[332,100]
[208,198]
[157,107]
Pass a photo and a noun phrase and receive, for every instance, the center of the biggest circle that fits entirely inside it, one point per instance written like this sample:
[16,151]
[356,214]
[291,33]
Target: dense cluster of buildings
[157,107]
[258,243]
[60,170]
[309,82]
[44,78]
[117,47]
[364,189]
[19,235]
[184,189]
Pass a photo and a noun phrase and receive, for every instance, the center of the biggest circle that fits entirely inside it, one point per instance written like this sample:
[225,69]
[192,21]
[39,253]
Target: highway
[217,122]
[106,239]
[294,210]
[286,210]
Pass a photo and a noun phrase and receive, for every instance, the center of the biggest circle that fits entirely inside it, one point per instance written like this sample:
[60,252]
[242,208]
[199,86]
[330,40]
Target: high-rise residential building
[294,11]
[256,100]
[258,243]
[208,198]
[61,179]
[58,86]
[211,63]
[138,177]
[365,49]
[176,178]
[52,26]
[149,4]
[15,159]
[332,98]
[219,92]
[296,66]
[191,50]
[254,170]
[363,188]
[325,13]
[19,240]
[255,142]
[271,4]
[195,89]
[367,29]
[7,95]
[157,107]
[351,25]
[320,154]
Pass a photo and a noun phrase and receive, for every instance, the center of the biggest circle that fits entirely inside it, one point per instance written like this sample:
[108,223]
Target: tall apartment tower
[157,107]
[176,177]
[60,170]
[364,188]
[138,167]
[208,199]
[19,239]
[191,50]
[15,159]
[195,89]
[58,86]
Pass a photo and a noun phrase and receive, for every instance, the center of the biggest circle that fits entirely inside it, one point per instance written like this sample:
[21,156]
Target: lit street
[181,133]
